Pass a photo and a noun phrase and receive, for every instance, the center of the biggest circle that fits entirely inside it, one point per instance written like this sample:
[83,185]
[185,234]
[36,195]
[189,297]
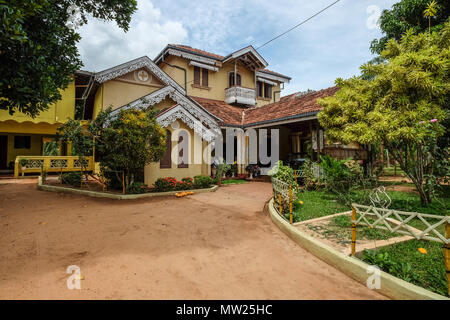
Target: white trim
[245,50]
[269,76]
[179,112]
[204,66]
[190,56]
[202,116]
[143,62]
[267,81]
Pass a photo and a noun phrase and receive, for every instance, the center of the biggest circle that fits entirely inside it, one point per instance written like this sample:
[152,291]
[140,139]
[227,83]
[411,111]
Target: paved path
[207,246]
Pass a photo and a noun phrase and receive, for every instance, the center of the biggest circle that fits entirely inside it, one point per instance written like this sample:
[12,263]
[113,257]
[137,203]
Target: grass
[427,270]
[316,204]
[231,181]
[390,171]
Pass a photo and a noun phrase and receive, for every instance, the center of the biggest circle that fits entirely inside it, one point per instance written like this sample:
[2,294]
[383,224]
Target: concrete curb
[391,286]
[96,194]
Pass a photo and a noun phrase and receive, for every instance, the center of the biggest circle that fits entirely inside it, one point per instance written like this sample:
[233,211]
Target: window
[22,142]
[204,77]
[231,79]
[197,75]
[166,161]
[259,88]
[183,150]
[267,90]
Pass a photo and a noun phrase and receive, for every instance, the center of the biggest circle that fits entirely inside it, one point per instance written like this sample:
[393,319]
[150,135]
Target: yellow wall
[153,170]
[35,147]
[58,112]
[217,81]
[117,93]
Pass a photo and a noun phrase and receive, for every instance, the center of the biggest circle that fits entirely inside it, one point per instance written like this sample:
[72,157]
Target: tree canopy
[410,89]
[406,15]
[38,47]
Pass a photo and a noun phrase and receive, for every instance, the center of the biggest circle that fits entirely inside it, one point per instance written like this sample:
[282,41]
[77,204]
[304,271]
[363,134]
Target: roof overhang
[271,76]
[183,53]
[127,67]
[249,56]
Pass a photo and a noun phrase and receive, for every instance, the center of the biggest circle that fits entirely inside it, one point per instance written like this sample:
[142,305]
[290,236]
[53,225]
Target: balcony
[240,95]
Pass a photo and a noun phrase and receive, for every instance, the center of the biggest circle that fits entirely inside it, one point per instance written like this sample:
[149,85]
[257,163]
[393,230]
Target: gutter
[177,67]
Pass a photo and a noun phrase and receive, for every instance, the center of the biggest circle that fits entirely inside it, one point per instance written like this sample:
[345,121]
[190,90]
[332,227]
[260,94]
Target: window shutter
[166,161]
[183,152]
[268,90]
[238,79]
[205,77]
[260,88]
[231,79]
[197,75]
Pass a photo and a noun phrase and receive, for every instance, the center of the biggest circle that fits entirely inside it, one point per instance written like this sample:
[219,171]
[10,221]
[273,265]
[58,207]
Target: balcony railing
[52,164]
[240,95]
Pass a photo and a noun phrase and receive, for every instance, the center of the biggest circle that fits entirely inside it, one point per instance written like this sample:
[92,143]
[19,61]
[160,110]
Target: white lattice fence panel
[381,218]
[77,163]
[280,187]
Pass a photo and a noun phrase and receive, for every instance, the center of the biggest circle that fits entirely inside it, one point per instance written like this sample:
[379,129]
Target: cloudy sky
[333,44]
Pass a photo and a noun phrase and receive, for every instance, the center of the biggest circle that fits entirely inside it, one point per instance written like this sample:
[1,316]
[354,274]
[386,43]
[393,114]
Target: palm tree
[429,12]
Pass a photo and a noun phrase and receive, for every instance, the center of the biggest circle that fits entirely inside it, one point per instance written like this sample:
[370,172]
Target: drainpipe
[185,72]
[274,93]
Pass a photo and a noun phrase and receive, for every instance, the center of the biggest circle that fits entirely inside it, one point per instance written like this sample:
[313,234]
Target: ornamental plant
[411,86]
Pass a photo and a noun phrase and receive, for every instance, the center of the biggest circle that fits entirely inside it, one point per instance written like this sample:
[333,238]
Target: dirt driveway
[208,246]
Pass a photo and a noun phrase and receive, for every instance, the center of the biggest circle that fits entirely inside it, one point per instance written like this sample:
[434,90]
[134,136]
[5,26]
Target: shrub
[72,178]
[201,182]
[137,188]
[284,173]
[165,184]
[340,175]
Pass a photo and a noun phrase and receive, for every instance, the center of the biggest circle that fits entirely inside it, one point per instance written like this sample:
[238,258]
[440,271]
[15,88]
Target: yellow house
[197,96]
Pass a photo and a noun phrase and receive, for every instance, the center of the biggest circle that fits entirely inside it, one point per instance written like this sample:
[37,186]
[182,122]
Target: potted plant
[253,170]
[23,165]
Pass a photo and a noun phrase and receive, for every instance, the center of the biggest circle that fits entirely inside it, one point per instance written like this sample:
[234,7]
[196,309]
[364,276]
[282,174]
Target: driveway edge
[391,286]
[96,194]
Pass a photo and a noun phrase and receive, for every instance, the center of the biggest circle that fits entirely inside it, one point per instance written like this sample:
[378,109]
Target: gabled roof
[127,67]
[294,106]
[211,58]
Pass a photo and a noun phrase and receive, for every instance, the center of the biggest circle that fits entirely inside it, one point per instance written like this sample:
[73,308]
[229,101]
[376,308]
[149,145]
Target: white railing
[240,95]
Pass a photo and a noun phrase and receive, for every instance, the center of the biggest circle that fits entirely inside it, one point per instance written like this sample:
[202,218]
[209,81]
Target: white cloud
[104,44]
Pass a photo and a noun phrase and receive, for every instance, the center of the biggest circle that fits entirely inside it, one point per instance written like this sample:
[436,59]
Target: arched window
[183,149]
[166,161]
[231,79]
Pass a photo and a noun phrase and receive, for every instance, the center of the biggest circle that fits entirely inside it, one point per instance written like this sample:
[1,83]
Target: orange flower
[423,250]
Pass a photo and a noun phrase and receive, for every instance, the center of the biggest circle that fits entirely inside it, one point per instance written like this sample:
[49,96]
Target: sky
[332,45]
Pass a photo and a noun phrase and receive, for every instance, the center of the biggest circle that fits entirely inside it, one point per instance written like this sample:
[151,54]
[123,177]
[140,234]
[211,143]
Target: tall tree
[404,106]
[38,50]
[406,15]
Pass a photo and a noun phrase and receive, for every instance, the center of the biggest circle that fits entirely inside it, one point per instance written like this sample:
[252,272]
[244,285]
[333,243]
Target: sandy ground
[207,246]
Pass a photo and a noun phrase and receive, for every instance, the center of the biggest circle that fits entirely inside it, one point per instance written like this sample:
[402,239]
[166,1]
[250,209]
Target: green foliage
[137,188]
[38,48]
[284,173]
[72,178]
[408,14]
[427,270]
[201,182]
[310,180]
[23,162]
[51,148]
[165,184]
[408,91]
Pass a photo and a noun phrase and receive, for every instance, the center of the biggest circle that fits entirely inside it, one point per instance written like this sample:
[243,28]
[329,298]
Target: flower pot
[251,175]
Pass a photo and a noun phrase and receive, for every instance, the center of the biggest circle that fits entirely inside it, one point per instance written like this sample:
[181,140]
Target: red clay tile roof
[288,107]
[194,50]
[227,113]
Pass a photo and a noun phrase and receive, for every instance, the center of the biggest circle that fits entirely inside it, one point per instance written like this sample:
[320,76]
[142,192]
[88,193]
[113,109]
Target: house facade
[197,96]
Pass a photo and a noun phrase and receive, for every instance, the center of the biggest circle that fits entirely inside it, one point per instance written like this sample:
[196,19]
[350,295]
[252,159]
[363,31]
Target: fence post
[447,255]
[280,203]
[103,181]
[291,218]
[123,182]
[353,231]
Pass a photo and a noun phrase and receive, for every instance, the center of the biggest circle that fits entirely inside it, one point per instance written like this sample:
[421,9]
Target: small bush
[137,188]
[284,173]
[201,182]
[72,178]
[165,184]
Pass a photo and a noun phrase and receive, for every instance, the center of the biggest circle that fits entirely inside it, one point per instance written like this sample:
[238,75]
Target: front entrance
[3,152]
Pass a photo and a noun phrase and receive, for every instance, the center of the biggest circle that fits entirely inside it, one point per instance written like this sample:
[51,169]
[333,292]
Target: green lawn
[405,261]
[234,181]
[316,204]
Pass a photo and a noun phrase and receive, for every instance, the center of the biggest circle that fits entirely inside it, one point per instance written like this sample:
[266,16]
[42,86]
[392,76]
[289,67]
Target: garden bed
[113,195]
